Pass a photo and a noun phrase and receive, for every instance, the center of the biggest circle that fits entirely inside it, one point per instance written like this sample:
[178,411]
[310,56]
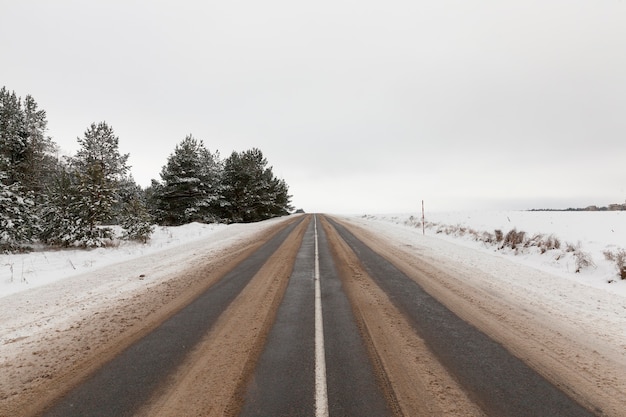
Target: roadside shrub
[475,235]
[609,256]
[445,229]
[619,257]
[514,238]
[544,243]
[486,237]
[536,241]
[583,260]
[620,262]
[518,240]
[554,242]
[139,232]
[413,222]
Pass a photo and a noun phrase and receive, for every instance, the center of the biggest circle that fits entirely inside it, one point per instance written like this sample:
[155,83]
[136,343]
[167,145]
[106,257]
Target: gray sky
[361,106]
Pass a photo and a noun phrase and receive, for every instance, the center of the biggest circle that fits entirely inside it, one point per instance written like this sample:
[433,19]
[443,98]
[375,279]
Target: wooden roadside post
[423,226]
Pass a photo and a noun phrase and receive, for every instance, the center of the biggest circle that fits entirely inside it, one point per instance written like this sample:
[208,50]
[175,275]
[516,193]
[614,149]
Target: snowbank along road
[312,316]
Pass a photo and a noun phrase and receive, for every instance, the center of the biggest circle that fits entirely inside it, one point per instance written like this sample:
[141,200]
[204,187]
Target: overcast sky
[361,106]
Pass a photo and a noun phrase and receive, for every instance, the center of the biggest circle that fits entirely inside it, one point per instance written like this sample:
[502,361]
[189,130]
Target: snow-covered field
[588,233]
[591,233]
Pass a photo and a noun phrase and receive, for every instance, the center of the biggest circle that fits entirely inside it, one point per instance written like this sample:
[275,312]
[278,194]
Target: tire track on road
[501,384]
[286,381]
[127,381]
[415,383]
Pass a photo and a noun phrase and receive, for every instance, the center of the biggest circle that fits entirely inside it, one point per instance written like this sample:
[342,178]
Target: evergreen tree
[18,222]
[62,203]
[136,221]
[250,190]
[279,200]
[99,168]
[152,198]
[127,189]
[39,161]
[210,173]
[12,137]
[134,216]
[62,224]
[190,184]
[26,163]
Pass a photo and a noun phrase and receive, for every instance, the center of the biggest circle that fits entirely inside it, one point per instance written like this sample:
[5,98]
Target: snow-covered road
[66,313]
[571,332]
[48,299]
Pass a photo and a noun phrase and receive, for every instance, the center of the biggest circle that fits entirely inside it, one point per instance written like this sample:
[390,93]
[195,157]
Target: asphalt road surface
[315,322]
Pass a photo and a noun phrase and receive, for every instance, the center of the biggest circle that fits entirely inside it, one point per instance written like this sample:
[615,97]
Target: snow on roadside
[22,272]
[72,303]
[591,233]
[61,288]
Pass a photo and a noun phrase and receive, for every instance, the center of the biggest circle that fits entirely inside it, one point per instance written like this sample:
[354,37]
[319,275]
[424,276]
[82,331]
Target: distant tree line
[74,201]
[610,207]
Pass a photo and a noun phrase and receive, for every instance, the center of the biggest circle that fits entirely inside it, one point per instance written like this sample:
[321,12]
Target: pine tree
[26,163]
[136,221]
[39,161]
[238,184]
[210,173]
[18,222]
[132,212]
[61,221]
[250,190]
[152,197]
[12,137]
[279,201]
[127,189]
[189,189]
[99,168]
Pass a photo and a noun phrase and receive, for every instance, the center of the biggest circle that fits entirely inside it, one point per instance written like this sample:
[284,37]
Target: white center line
[321,394]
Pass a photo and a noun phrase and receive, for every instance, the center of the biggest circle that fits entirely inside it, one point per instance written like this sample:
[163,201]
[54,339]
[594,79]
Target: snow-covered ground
[22,272]
[591,233]
[45,292]
[578,232]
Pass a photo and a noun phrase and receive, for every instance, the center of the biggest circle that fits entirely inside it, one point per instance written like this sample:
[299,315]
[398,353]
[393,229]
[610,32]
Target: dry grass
[583,260]
[521,242]
[619,257]
[514,238]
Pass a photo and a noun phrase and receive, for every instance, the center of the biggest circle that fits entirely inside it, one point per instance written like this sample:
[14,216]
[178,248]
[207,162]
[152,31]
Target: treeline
[74,201]
[610,207]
